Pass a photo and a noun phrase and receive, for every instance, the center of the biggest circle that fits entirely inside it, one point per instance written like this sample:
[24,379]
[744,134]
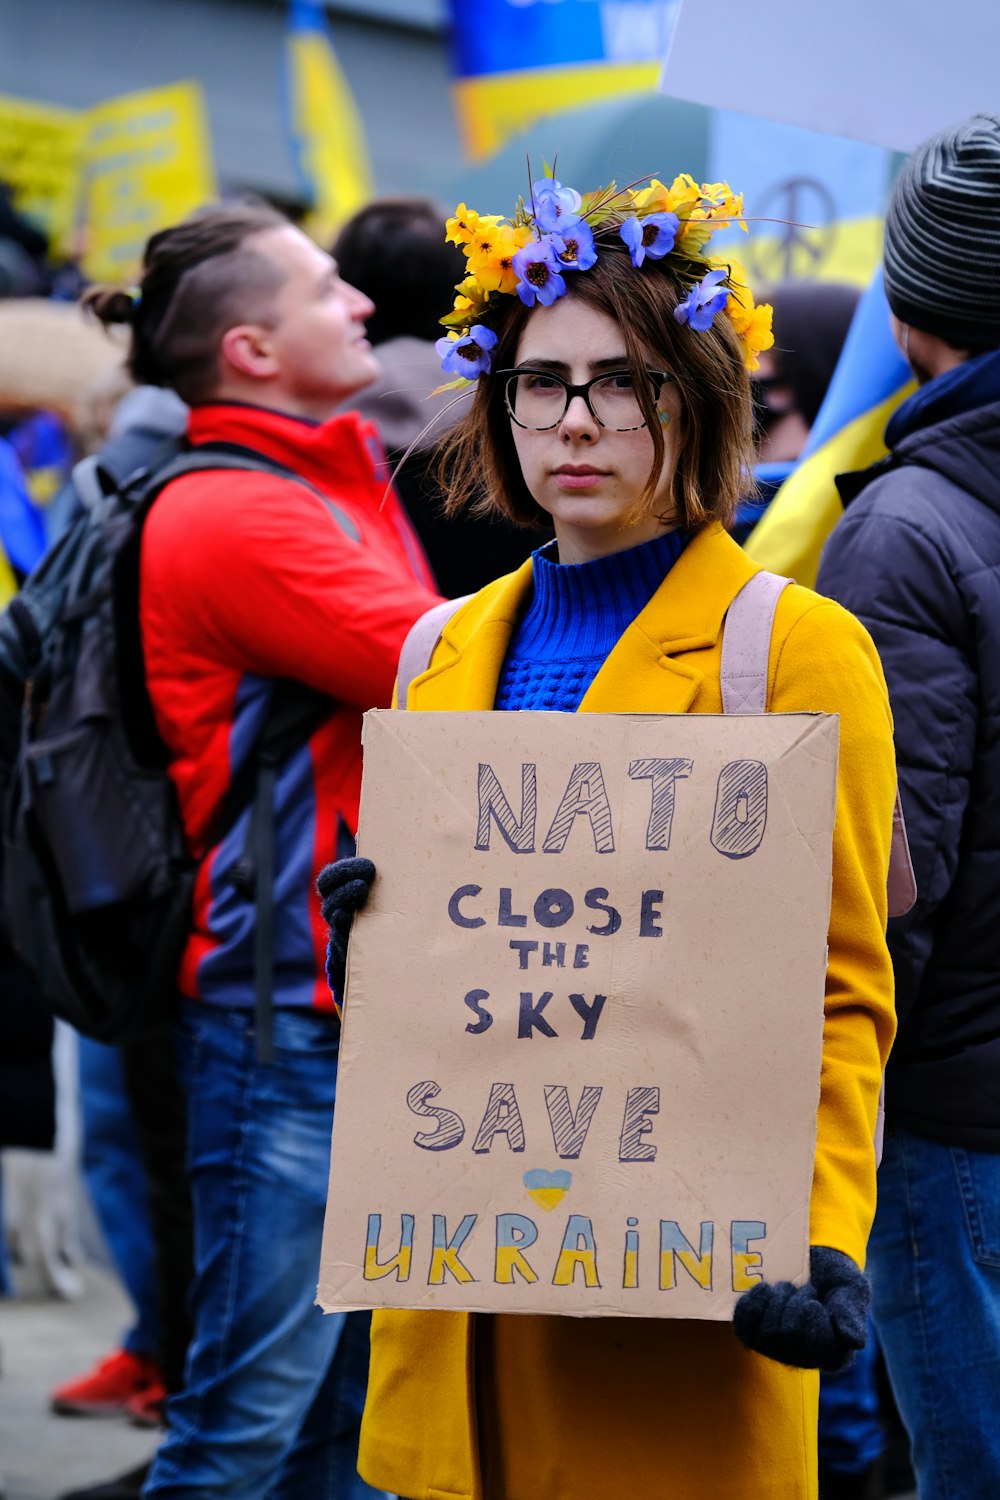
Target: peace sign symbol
[797,248]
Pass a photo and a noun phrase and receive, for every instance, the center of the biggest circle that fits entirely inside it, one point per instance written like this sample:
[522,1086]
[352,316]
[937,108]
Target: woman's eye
[540,383]
[620,381]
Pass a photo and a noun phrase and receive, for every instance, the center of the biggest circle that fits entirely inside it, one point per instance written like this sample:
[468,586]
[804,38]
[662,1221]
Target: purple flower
[469,356]
[575,247]
[538,266]
[556,207]
[653,236]
[702,302]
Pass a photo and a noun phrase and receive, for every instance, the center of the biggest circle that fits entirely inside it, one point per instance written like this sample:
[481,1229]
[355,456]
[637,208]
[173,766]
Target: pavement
[43,1341]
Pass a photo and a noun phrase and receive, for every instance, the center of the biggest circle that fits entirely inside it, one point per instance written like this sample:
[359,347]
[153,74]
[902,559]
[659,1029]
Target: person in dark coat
[917,558]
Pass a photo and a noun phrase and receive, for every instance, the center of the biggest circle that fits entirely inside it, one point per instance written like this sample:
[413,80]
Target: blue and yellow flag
[324,127]
[870,381]
[22,535]
[516,63]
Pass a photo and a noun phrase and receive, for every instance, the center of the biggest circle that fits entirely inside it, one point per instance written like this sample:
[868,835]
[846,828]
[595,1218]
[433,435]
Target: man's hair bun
[111,304]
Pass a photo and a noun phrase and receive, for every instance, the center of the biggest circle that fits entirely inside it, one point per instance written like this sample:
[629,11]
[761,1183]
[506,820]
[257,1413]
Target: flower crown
[560,232]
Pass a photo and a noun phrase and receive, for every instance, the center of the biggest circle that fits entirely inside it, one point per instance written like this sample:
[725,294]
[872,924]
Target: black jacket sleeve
[897,576]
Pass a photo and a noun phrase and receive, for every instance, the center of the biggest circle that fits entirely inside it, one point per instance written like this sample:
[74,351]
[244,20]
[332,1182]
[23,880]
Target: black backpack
[96,880]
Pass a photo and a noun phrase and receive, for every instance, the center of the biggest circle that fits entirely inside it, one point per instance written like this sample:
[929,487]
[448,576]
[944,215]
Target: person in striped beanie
[917,558]
[942,244]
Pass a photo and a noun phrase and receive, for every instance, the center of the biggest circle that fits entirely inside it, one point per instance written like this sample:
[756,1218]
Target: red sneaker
[145,1408]
[106,1390]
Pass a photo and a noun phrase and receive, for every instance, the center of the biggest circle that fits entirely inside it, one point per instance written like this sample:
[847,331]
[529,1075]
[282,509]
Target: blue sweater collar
[581,609]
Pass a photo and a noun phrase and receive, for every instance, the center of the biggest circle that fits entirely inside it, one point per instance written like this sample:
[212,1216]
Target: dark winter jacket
[917,559]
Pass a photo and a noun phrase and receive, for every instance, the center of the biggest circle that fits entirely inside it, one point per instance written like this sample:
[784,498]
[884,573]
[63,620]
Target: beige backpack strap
[902,888]
[420,644]
[746,644]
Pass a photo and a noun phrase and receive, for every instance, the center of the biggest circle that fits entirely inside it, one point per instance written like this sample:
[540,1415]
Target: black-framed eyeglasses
[538,399]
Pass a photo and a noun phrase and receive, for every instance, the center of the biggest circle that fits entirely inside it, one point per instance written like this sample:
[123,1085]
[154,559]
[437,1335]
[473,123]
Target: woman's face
[588,477]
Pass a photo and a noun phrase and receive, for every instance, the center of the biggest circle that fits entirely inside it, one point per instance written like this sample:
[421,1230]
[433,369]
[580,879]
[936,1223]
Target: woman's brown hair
[477,464]
[199,278]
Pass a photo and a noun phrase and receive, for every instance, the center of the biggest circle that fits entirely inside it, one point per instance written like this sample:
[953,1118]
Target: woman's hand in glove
[819,1326]
[343,889]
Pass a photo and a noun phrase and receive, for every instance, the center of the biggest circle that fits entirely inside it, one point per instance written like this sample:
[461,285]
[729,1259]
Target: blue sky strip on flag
[502,36]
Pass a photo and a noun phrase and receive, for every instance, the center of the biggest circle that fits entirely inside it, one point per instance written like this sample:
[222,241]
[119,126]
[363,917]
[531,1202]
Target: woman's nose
[578,422]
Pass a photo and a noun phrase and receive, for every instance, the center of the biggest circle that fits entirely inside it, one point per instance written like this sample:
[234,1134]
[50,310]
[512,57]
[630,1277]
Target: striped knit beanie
[942,236]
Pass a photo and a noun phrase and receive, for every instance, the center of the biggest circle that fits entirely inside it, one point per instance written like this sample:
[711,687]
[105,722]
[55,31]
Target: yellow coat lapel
[641,675]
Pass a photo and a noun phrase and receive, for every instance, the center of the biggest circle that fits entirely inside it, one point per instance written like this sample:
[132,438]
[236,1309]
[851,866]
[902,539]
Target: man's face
[316,334]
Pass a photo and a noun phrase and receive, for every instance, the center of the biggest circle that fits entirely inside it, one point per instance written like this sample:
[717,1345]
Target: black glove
[819,1326]
[343,888]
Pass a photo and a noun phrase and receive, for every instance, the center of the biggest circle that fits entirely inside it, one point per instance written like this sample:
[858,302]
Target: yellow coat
[594,1409]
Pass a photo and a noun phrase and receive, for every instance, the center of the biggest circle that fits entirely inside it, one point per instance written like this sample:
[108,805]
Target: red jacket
[245,579]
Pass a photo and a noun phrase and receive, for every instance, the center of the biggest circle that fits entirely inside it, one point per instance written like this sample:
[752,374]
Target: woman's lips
[578,476]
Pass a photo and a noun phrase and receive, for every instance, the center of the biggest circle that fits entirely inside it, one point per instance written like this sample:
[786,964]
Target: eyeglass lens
[539,401]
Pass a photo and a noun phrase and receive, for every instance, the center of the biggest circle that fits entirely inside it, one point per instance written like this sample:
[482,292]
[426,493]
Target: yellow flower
[757,336]
[491,256]
[471,302]
[471,296]
[729,207]
[695,232]
[752,323]
[685,194]
[466,224]
[656,199]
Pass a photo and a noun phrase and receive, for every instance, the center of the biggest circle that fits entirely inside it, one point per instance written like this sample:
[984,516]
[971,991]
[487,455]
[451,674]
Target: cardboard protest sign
[581,1055]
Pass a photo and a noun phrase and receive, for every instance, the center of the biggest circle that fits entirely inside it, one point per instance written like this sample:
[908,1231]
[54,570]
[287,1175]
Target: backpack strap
[746,644]
[204,457]
[88,479]
[421,643]
[902,886]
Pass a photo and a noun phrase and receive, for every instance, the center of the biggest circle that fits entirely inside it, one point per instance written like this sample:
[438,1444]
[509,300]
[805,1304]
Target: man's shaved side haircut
[199,279]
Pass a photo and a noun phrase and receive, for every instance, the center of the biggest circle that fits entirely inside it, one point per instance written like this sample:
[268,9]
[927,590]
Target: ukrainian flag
[22,535]
[324,127]
[518,63]
[870,381]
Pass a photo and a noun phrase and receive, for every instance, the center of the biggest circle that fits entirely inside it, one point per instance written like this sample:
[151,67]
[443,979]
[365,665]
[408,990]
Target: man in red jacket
[307,573]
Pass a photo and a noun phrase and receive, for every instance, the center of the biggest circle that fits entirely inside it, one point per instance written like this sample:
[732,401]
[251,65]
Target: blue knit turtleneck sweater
[577,613]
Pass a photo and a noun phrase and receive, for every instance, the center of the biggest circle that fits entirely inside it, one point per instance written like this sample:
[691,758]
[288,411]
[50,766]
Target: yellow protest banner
[40,157]
[148,164]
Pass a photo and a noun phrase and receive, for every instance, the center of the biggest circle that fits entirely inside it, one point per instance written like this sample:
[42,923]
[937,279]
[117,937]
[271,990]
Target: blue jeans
[850,1425]
[273,1390]
[934,1258]
[115,1176]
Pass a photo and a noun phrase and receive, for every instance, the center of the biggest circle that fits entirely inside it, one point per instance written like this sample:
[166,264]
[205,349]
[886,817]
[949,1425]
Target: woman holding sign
[611,357]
